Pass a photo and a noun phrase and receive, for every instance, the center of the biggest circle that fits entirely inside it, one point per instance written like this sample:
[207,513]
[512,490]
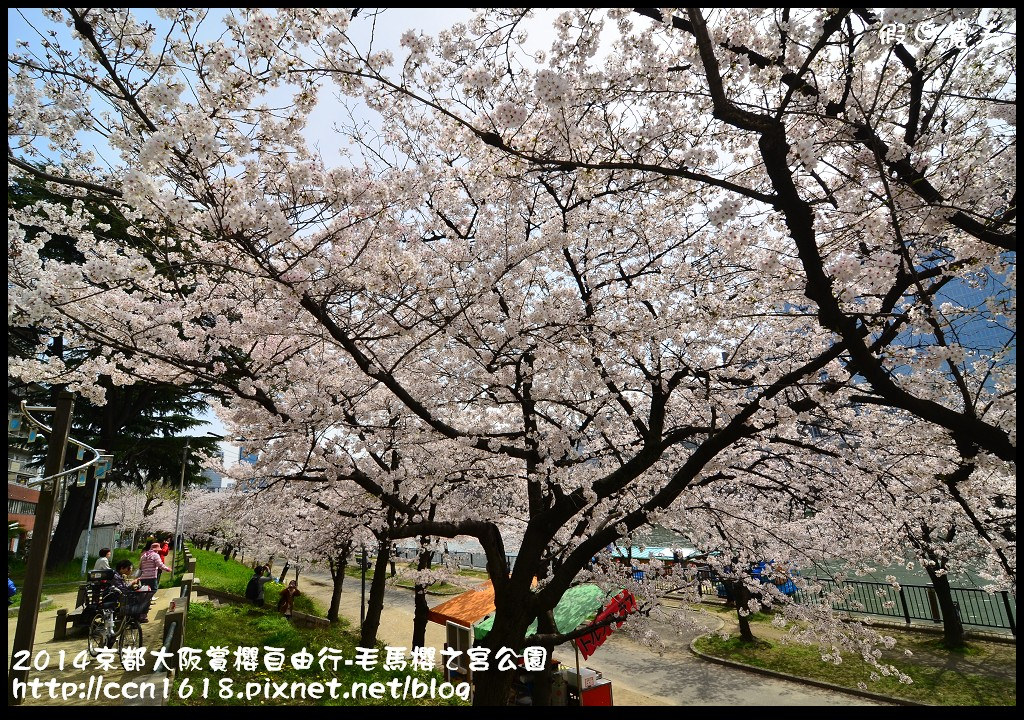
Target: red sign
[620,606]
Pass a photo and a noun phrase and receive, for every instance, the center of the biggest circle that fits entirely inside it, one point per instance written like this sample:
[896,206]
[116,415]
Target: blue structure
[787,587]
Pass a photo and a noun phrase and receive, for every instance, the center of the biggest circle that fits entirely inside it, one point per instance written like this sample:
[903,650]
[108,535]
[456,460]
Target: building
[22,498]
[214,480]
[245,456]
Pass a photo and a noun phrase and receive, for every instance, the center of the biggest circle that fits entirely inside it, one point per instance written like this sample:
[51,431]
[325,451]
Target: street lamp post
[92,514]
[181,492]
[98,472]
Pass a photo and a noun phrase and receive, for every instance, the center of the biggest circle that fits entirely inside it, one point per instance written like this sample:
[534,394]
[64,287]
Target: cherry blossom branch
[800,221]
[42,175]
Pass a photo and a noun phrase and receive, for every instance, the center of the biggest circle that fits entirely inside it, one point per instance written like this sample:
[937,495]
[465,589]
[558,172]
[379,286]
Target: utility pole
[31,592]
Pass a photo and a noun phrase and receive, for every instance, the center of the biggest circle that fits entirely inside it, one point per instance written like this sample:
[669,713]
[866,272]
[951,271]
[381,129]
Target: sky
[385,32]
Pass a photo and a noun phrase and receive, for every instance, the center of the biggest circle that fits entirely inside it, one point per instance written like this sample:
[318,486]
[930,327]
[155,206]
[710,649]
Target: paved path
[73,645]
[639,674]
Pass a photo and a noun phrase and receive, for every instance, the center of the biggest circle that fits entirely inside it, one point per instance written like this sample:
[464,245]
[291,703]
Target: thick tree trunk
[953,636]
[337,566]
[742,595]
[74,518]
[492,688]
[375,604]
[419,620]
[542,680]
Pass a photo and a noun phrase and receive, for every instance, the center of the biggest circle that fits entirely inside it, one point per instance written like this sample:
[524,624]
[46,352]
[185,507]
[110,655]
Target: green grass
[935,681]
[440,588]
[67,574]
[232,576]
[247,626]
[482,574]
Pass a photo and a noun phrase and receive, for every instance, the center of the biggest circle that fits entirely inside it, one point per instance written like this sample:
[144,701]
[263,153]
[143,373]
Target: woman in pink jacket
[150,566]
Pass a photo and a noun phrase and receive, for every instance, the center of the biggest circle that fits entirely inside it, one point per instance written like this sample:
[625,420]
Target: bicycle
[116,621]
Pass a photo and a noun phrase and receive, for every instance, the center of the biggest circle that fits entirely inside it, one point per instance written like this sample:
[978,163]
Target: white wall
[102,536]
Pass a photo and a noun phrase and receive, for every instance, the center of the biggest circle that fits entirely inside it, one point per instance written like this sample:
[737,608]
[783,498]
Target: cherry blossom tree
[122,505]
[569,291]
[141,424]
[201,513]
[295,484]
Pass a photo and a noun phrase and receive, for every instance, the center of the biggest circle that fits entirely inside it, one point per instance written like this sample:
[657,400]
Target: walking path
[639,674]
[73,646]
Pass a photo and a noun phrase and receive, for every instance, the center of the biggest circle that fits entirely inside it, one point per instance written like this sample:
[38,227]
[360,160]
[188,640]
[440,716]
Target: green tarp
[576,605]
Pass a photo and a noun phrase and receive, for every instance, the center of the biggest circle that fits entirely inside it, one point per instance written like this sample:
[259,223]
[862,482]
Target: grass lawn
[439,588]
[983,675]
[472,576]
[232,576]
[66,575]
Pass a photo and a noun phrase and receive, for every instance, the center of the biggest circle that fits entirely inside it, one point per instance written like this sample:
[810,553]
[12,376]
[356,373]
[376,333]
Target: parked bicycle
[116,622]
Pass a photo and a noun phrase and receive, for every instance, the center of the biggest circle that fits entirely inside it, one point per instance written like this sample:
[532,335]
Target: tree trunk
[542,680]
[742,595]
[419,620]
[74,518]
[492,688]
[375,604]
[953,637]
[337,566]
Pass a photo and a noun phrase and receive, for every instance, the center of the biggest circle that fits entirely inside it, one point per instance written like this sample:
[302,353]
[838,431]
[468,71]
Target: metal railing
[918,602]
[474,560]
[172,630]
[976,607]
[911,602]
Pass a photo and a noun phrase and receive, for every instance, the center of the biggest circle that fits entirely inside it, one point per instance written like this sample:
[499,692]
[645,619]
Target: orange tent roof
[466,609]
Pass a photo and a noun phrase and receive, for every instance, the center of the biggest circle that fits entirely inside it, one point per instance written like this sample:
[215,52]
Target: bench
[78,618]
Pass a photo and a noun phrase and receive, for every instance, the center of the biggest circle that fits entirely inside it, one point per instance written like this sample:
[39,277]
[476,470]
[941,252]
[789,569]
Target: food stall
[469,617]
[458,616]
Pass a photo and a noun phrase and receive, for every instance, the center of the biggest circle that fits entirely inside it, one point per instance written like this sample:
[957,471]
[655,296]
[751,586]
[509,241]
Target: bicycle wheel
[99,634]
[129,638]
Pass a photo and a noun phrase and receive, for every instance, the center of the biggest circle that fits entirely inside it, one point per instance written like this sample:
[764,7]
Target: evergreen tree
[143,426]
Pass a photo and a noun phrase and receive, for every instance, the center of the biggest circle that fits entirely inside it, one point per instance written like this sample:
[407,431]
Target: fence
[475,560]
[911,602]
[919,602]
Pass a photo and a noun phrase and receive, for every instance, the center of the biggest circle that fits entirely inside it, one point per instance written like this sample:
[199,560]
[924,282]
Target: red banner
[620,605]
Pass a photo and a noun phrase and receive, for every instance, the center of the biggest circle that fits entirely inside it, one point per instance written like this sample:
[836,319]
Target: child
[288,595]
